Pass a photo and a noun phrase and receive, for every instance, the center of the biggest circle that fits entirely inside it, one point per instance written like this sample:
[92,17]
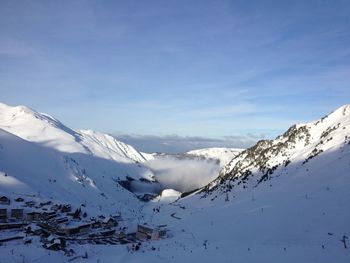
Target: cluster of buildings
[59,220]
[48,219]
[145,232]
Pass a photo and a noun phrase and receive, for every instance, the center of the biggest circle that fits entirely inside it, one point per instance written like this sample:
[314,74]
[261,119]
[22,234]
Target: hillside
[38,173]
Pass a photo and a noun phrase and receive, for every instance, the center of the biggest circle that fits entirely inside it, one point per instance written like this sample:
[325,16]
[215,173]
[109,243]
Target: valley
[282,200]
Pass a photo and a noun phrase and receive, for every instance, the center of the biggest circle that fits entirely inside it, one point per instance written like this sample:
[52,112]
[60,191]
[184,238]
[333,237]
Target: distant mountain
[312,143]
[224,155]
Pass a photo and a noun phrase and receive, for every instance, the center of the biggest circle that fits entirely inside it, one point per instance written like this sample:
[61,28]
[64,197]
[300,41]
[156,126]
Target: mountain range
[282,200]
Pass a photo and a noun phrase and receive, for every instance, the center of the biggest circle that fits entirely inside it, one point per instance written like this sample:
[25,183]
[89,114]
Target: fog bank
[183,174]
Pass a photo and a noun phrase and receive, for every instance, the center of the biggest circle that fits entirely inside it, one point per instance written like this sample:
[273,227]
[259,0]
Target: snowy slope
[279,201]
[31,170]
[296,217]
[224,155]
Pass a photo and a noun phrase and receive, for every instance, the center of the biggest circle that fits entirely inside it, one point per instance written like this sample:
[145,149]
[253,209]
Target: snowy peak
[342,111]
[4,108]
[8,113]
[40,128]
[46,130]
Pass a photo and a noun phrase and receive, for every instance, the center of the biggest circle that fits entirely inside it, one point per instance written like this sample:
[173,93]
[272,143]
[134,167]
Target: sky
[154,70]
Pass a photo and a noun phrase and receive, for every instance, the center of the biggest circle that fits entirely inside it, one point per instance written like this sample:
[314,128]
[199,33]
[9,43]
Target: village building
[70,230]
[4,200]
[33,216]
[17,213]
[145,232]
[3,215]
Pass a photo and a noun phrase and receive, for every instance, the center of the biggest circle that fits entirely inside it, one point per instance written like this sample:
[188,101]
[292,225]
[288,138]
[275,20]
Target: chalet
[3,215]
[17,213]
[19,199]
[33,216]
[4,200]
[74,230]
[146,232]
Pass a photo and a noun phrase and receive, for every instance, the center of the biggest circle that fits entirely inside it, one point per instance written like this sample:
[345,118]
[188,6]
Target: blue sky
[185,68]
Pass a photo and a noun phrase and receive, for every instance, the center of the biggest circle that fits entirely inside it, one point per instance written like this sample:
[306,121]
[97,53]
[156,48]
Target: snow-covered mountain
[224,155]
[41,157]
[46,130]
[300,146]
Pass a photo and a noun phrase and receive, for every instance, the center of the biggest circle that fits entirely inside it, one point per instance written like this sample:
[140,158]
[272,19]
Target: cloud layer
[183,174]
[180,144]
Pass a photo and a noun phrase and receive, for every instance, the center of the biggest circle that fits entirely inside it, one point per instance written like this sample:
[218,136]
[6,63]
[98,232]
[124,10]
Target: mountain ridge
[299,144]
